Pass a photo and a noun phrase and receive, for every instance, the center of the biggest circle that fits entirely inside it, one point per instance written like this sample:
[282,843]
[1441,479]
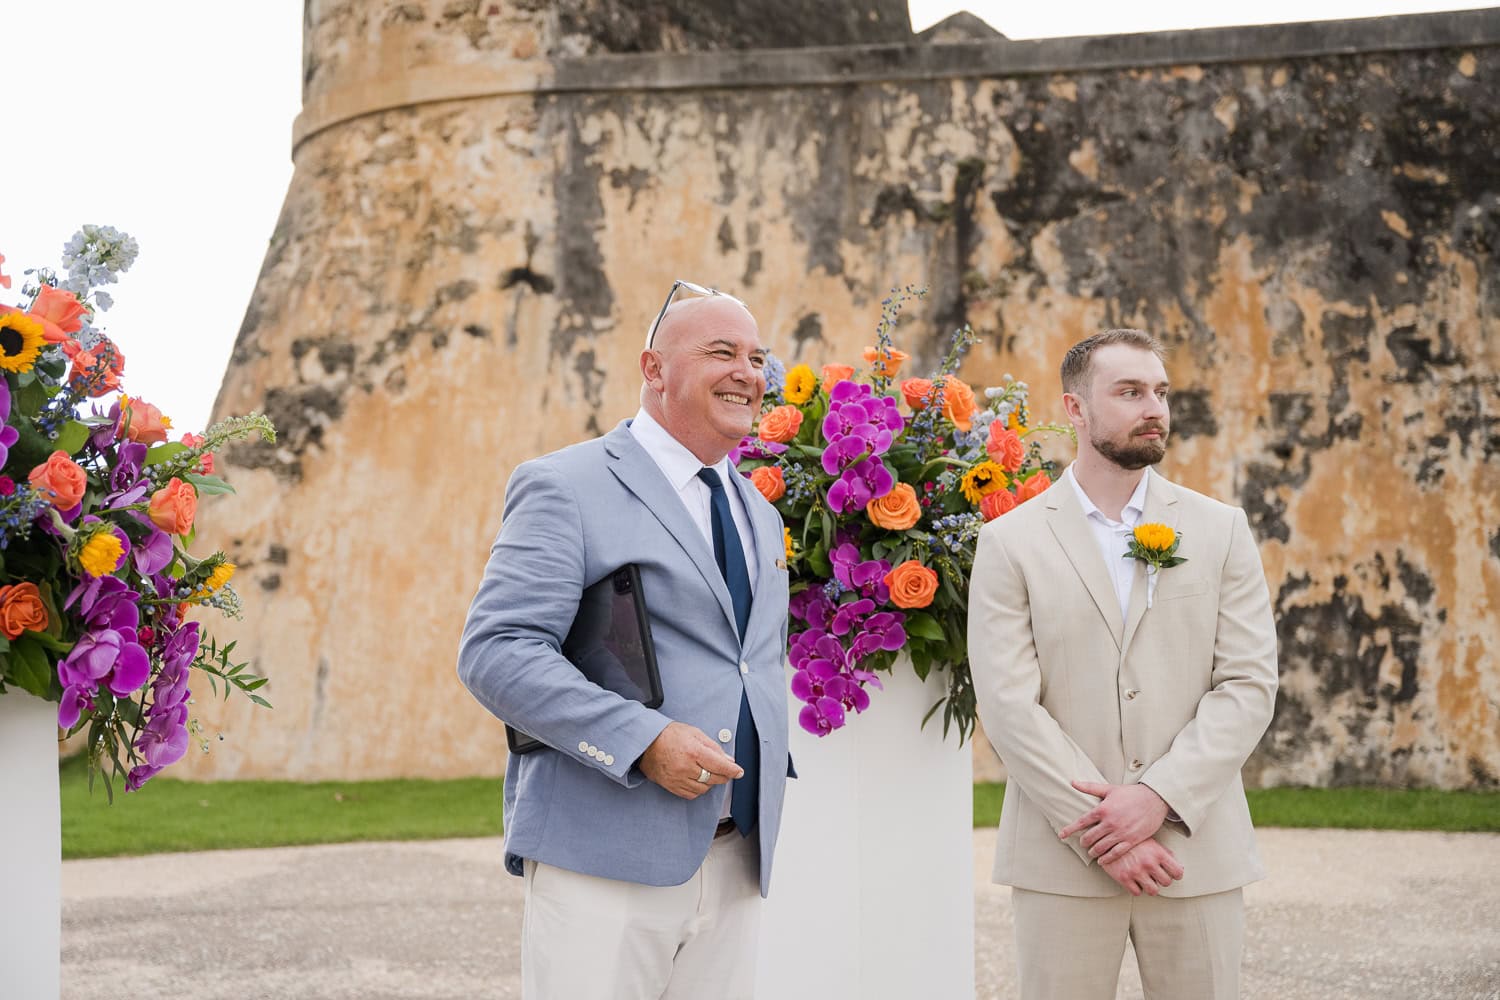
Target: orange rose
[885,364]
[173,507]
[1035,486]
[912,585]
[916,391]
[993,504]
[141,422]
[1005,447]
[897,510]
[21,610]
[834,374]
[768,480]
[59,312]
[104,382]
[958,403]
[781,424]
[63,478]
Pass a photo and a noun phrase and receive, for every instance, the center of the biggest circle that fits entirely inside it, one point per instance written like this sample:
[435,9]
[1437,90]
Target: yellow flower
[1016,422]
[801,383]
[101,554]
[220,576]
[983,479]
[1155,537]
[791,550]
[21,341]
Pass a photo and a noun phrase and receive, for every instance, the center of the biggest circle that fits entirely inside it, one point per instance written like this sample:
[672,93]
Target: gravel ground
[1345,914]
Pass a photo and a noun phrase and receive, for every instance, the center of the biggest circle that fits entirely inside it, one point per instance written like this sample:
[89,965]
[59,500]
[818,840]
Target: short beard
[1133,454]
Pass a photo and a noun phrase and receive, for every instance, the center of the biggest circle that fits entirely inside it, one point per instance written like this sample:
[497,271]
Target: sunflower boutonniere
[1156,546]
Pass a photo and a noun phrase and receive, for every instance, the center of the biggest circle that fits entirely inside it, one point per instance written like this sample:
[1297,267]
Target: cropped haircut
[1077,362]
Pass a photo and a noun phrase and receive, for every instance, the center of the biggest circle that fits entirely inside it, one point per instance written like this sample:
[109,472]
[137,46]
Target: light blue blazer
[572,518]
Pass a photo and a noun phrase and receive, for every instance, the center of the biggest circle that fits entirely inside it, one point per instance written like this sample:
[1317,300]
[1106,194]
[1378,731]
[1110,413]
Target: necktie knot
[711,477]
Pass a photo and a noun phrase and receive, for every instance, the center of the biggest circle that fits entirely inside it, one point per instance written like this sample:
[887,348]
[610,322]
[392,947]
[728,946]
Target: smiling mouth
[730,397]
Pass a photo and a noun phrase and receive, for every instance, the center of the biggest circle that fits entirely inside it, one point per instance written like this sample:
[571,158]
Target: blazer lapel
[1161,508]
[1071,528]
[640,475]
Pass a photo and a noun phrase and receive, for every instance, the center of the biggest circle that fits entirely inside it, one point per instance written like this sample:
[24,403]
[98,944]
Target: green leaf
[72,437]
[30,396]
[211,485]
[924,625]
[4,646]
[161,452]
[51,642]
[817,561]
[30,670]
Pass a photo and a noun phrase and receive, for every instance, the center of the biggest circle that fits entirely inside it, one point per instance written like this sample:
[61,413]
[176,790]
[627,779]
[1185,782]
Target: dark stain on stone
[726,238]
[1417,584]
[1192,414]
[894,200]
[752,267]
[583,287]
[477,331]
[809,328]
[1495,544]
[1416,354]
[636,179]
[271,582]
[539,283]
[818,215]
[276,555]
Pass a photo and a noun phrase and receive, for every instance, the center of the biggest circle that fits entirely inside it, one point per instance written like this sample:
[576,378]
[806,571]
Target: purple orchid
[754,447]
[165,738]
[75,699]
[849,615]
[155,553]
[139,775]
[858,485]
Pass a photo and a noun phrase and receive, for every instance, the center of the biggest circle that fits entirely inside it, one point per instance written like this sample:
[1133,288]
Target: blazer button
[1135,765]
[725,736]
[583,746]
[744,667]
[593,750]
[609,760]
[1130,695]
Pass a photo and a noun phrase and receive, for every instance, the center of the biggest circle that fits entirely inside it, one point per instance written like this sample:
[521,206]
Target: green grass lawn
[169,815]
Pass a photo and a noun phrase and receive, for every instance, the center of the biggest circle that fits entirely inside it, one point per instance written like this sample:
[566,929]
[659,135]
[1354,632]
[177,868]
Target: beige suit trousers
[589,938]
[1070,947]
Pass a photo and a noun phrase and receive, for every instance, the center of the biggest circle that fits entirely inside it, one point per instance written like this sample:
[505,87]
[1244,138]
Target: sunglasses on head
[696,289]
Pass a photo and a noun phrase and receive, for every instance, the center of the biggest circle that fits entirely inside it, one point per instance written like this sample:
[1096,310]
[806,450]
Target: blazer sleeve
[510,656]
[1042,759]
[1207,753]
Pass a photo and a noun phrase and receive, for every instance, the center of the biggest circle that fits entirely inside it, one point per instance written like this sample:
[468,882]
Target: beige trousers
[588,938]
[1070,947]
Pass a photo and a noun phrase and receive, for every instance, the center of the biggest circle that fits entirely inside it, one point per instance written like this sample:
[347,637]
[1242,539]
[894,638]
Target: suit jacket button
[609,760]
[1135,765]
[583,746]
[744,667]
[725,736]
[1130,695]
[593,750]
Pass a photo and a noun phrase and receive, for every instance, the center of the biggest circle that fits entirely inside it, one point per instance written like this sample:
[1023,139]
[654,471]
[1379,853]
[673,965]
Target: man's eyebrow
[724,342]
[1140,382]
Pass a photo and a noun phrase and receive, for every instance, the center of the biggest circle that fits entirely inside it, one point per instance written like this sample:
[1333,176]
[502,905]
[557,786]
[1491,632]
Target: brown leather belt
[724,827]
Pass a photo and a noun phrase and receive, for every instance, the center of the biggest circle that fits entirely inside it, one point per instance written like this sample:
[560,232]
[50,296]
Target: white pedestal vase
[30,848]
[872,895]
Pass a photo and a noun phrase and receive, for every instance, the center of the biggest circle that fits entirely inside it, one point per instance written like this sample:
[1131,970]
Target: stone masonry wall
[460,279]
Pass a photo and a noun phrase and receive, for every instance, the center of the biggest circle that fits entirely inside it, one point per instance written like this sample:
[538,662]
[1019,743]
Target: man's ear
[651,368]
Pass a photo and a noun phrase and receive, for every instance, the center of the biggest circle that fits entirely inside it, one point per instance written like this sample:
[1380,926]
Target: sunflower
[984,478]
[801,383]
[21,341]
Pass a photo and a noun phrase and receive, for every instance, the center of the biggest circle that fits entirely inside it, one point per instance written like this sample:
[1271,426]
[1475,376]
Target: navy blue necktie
[729,552]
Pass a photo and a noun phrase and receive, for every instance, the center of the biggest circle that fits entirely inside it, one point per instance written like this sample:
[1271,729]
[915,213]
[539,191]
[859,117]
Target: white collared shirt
[1114,537]
[681,466]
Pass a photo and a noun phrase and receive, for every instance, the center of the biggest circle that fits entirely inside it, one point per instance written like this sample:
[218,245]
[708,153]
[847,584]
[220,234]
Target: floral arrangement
[97,512]
[883,506]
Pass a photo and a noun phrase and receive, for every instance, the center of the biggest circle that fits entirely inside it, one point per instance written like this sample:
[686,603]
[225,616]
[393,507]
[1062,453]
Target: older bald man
[645,835]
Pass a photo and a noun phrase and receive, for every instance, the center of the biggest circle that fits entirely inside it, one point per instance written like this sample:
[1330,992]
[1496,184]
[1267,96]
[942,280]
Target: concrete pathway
[1345,914]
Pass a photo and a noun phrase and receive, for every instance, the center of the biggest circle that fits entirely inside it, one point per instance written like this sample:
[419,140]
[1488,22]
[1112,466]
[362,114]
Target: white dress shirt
[1114,538]
[681,466]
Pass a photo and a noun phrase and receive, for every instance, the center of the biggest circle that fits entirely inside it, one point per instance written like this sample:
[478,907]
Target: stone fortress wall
[490,201]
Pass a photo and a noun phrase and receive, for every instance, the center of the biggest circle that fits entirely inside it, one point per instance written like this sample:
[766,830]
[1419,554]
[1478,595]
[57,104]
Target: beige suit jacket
[1176,696]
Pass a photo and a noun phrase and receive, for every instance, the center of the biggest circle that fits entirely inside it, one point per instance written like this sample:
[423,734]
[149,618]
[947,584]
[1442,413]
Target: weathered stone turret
[490,203]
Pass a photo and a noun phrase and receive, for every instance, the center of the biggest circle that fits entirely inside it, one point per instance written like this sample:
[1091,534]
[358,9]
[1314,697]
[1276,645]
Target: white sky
[115,116]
